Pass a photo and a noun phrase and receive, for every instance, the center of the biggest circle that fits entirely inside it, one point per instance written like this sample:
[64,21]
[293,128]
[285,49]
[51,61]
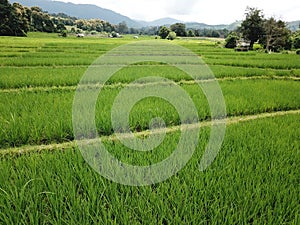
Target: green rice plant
[287,63]
[254,179]
[44,76]
[55,61]
[45,116]
[221,56]
[20,77]
[221,71]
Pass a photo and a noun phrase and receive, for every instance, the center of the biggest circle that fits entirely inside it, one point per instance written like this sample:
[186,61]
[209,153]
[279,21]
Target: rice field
[45,179]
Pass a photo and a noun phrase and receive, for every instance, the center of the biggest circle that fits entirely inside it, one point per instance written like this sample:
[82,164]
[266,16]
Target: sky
[203,11]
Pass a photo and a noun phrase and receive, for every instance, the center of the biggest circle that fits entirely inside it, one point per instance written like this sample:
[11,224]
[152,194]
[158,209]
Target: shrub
[191,33]
[114,34]
[73,30]
[231,41]
[171,36]
[93,32]
[297,42]
[298,51]
[163,32]
[257,47]
[63,33]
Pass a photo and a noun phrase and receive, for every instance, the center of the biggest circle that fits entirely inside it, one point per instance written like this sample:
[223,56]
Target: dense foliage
[231,40]
[164,32]
[179,29]
[16,20]
[272,34]
[252,26]
[13,19]
[276,36]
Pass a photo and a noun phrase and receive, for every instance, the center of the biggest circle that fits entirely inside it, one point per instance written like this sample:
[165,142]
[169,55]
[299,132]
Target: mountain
[84,11]
[294,25]
[199,26]
[164,21]
[160,22]
[195,25]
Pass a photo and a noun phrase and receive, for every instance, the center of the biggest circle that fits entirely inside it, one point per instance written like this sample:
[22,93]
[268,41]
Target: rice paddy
[45,179]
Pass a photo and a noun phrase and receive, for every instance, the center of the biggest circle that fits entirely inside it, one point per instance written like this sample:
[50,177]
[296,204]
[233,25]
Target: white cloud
[211,12]
[179,7]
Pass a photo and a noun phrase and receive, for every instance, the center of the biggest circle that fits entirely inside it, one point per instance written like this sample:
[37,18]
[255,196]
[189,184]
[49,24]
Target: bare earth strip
[68,145]
[116,85]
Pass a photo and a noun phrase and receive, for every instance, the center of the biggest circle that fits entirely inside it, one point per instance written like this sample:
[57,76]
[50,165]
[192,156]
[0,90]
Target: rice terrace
[48,79]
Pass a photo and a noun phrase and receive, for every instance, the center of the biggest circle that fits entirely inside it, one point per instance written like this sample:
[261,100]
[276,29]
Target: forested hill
[17,20]
[82,11]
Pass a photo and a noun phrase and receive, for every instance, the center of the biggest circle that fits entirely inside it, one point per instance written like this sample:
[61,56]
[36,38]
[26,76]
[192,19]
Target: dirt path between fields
[117,85]
[67,145]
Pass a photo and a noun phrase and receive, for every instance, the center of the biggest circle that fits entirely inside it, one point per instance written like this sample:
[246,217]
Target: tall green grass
[44,76]
[284,63]
[252,181]
[215,55]
[40,76]
[39,117]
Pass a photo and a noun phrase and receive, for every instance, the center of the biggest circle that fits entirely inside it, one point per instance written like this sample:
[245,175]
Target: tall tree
[179,29]
[41,21]
[296,39]
[13,19]
[191,33]
[252,27]
[20,21]
[163,32]
[276,36]
[231,40]
[122,28]
[5,14]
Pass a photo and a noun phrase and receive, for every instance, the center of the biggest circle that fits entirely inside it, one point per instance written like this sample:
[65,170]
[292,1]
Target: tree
[98,26]
[122,28]
[20,20]
[231,40]
[133,30]
[179,29]
[296,40]
[163,32]
[13,19]
[215,34]
[41,21]
[48,25]
[191,33]
[5,14]
[252,27]
[276,35]
[171,36]
[269,26]
[60,27]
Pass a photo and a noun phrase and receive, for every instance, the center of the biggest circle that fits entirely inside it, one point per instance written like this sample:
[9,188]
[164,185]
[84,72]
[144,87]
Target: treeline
[180,30]
[17,20]
[271,34]
[14,19]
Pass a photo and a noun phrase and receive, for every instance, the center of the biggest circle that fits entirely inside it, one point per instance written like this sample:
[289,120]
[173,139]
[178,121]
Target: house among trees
[80,35]
[242,46]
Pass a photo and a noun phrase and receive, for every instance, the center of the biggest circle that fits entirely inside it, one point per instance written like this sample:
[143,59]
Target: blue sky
[211,12]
